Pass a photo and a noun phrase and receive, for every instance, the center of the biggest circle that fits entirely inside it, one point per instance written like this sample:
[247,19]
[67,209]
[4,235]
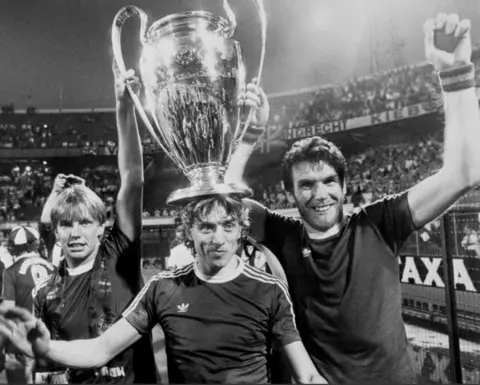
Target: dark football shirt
[216,331]
[346,291]
[21,277]
[123,266]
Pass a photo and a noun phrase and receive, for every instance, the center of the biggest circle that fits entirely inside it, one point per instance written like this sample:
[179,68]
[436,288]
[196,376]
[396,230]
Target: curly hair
[313,150]
[201,208]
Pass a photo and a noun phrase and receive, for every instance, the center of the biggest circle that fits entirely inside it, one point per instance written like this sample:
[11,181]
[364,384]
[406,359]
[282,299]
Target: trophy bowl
[191,72]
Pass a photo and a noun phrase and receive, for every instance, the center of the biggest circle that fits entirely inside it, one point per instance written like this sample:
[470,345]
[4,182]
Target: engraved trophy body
[191,72]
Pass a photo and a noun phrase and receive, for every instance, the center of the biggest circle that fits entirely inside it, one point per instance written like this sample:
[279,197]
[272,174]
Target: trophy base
[186,195]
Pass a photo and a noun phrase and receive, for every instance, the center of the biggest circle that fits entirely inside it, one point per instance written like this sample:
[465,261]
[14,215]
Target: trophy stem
[209,175]
[207,180]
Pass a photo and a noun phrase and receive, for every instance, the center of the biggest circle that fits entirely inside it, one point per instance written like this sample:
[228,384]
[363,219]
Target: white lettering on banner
[390,116]
[277,132]
[316,129]
[432,265]
[461,275]
[410,272]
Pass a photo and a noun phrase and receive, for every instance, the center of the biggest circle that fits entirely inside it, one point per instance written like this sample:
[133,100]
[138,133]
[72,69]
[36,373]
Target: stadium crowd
[392,167]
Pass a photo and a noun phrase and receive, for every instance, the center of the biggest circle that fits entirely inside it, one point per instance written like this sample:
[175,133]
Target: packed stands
[92,133]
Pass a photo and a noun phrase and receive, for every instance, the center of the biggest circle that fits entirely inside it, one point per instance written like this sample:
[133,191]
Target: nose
[320,191]
[218,237]
[75,233]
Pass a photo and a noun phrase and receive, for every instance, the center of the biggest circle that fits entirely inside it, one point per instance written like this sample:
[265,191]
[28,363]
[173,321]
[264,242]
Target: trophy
[191,71]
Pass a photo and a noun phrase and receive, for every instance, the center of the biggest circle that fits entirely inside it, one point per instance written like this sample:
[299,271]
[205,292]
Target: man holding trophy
[221,317]
[342,270]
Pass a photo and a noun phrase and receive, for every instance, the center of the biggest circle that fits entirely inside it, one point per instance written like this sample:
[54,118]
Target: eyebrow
[226,221]
[328,177]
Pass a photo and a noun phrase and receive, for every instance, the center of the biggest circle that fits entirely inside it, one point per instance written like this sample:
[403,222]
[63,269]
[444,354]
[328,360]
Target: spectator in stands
[218,307]
[333,260]
[105,270]
[471,242]
[27,271]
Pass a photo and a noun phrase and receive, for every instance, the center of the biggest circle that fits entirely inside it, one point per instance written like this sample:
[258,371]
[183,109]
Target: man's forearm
[47,208]
[78,354]
[239,159]
[130,161]
[238,162]
[462,136]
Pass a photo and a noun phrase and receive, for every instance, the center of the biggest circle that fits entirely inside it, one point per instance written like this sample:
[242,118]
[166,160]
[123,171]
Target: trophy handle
[263,24]
[119,20]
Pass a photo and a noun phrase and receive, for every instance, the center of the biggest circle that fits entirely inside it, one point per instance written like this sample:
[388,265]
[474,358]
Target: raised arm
[461,158]
[253,97]
[130,162]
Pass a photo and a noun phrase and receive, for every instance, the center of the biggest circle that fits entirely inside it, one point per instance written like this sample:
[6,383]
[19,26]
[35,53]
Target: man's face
[318,194]
[216,238]
[80,237]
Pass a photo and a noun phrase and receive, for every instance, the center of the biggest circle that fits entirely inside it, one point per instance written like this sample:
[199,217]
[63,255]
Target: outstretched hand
[27,333]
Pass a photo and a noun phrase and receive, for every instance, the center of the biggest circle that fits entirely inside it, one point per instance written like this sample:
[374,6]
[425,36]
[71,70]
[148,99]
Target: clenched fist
[459,31]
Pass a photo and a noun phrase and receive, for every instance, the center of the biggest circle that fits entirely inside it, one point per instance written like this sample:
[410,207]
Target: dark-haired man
[342,270]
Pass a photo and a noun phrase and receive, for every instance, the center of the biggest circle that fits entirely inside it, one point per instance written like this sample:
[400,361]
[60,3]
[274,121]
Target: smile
[76,245]
[323,208]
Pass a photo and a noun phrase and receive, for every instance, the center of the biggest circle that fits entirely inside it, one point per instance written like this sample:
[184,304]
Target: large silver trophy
[191,71]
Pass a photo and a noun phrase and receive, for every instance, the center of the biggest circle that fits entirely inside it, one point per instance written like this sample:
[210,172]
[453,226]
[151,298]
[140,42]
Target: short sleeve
[123,256]
[393,219]
[284,328]
[8,285]
[118,243]
[142,312]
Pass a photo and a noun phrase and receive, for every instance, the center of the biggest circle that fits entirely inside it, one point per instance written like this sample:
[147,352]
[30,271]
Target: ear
[290,197]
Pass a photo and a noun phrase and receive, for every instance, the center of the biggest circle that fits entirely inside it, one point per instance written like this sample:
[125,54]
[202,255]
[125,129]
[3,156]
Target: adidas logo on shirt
[183,308]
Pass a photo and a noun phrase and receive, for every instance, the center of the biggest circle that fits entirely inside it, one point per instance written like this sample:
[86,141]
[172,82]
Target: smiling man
[342,271]
[220,316]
